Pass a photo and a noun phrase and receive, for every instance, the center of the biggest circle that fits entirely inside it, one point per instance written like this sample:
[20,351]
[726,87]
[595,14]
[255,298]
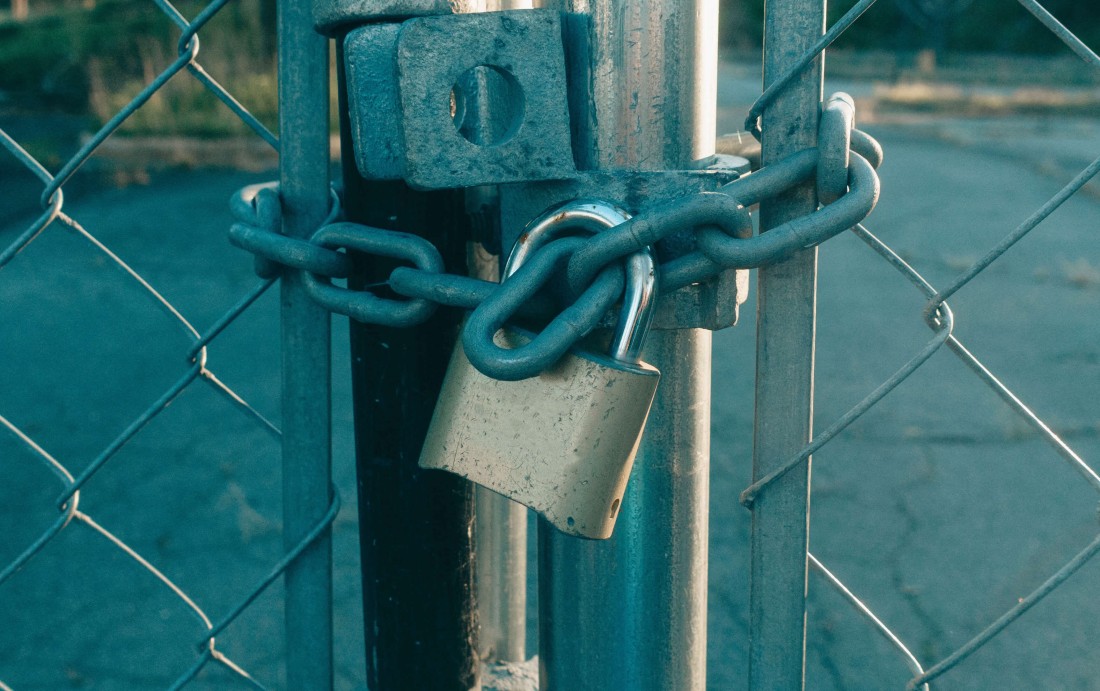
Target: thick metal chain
[843,165]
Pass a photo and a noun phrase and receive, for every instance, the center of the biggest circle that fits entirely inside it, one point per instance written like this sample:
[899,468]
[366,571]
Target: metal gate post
[416,526]
[306,348]
[784,371]
[500,528]
[630,612]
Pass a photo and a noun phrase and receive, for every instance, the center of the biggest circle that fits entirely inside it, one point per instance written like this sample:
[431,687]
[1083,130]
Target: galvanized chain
[259,211]
[843,165]
[437,289]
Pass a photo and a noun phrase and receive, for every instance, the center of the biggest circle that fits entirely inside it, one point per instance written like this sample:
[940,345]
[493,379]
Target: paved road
[940,507]
[197,492]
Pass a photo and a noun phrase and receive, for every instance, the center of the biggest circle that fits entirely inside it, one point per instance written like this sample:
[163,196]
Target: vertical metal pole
[500,542]
[416,526]
[306,347]
[500,530]
[630,612]
[785,365]
[501,545]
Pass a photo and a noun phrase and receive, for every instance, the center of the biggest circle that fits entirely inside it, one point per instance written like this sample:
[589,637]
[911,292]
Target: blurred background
[80,61]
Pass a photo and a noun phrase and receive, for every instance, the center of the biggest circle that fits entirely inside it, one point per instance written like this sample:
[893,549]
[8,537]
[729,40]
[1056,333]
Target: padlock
[561,443]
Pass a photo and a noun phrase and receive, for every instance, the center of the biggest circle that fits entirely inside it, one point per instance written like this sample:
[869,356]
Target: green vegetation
[91,58]
[94,61]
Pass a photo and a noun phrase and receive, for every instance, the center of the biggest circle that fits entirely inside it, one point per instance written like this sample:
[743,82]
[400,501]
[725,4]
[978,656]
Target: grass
[185,107]
[920,96]
[95,61]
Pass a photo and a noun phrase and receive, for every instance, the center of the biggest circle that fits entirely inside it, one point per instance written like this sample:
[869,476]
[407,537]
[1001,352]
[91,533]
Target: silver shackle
[639,297]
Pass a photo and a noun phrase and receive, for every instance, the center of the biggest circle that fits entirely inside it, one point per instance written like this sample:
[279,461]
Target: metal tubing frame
[500,543]
[500,527]
[500,538]
[784,370]
[630,612]
[306,350]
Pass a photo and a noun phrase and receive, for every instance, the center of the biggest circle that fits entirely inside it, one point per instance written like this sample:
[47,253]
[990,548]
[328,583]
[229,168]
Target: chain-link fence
[136,424]
[990,493]
[139,450]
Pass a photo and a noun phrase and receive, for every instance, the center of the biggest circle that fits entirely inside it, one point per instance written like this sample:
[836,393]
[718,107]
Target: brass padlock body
[575,431]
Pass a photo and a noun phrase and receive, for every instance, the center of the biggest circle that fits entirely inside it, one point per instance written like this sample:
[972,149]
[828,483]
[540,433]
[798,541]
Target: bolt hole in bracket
[460,100]
[487,105]
[463,100]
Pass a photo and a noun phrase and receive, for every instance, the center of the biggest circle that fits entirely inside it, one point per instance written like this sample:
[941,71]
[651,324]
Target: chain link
[260,211]
[843,164]
[556,337]
[260,216]
[365,306]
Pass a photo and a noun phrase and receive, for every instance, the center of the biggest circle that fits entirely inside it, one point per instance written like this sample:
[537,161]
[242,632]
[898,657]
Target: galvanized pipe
[500,547]
[648,99]
[500,528]
[630,612]
[306,417]
[784,369]
[500,540]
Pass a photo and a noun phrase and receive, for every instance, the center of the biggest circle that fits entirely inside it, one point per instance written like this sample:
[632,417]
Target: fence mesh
[136,355]
[939,317]
[96,364]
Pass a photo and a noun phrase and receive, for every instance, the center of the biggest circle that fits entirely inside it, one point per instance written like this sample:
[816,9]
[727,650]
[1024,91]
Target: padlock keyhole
[487,105]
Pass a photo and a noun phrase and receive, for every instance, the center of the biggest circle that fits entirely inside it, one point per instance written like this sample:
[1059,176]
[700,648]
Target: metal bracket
[470,100]
[330,16]
[460,100]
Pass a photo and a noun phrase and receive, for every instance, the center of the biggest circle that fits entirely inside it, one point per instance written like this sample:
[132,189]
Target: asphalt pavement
[940,507]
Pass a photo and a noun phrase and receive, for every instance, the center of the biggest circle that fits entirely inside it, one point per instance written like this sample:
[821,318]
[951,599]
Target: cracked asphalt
[940,507]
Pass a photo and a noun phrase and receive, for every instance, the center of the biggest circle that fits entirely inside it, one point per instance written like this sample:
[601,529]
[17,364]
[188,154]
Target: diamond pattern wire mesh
[198,369]
[937,314]
[72,476]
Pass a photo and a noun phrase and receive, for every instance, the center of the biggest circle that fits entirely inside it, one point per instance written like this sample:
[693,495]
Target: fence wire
[939,317]
[195,357]
[199,368]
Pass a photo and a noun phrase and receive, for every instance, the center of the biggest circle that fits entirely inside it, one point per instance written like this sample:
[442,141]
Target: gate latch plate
[461,100]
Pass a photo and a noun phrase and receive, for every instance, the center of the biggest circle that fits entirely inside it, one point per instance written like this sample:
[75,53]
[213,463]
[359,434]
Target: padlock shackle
[579,215]
[639,297]
[639,305]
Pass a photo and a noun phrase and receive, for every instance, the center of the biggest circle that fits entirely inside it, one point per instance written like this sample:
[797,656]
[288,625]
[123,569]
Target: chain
[260,215]
[843,166]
